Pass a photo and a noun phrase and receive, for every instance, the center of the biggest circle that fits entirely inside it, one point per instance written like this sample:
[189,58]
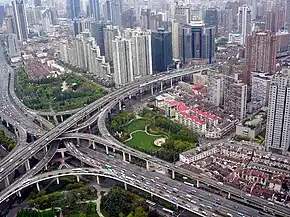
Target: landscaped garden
[142,131]
[64,92]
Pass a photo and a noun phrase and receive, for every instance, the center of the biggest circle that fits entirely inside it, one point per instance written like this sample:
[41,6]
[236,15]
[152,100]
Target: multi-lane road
[20,155]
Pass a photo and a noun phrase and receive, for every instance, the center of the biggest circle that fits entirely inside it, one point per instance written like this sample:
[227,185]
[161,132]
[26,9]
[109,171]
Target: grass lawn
[138,124]
[144,141]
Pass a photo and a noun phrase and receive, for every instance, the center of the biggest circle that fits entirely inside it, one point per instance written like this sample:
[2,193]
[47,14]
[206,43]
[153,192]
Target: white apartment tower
[278,119]
[132,56]
[244,22]
[215,88]
[260,83]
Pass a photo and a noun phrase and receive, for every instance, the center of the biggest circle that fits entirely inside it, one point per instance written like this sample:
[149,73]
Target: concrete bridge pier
[107,150]
[98,180]
[47,117]
[171,83]
[27,165]
[45,149]
[57,180]
[130,158]
[197,183]
[6,182]
[125,186]
[152,90]
[37,186]
[120,105]
[78,178]
[161,86]
[7,124]
[94,145]
[173,174]
[78,141]
[147,165]
[18,193]
[62,154]
[229,195]
[124,156]
[61,118]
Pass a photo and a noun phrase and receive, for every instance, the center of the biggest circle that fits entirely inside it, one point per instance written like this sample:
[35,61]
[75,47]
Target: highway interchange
[21,154]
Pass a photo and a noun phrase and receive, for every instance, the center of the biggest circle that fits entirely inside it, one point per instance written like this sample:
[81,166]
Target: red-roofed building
[209,118]
[190,121]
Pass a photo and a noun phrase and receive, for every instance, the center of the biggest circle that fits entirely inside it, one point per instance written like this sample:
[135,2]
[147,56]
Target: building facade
[196,42]
[110,32]
[20,20]
[73,8]
[278,119]
[244,22]
[161,50]
[132,56]
[261,52]
[12,45]
[235,97]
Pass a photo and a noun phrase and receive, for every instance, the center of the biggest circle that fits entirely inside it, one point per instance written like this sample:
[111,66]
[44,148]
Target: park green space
[136,135]
[47,93]
[4,140]
[137,124]
[143,141]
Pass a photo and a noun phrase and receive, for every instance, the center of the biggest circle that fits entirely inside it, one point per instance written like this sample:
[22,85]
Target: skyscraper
[132,56]
[73,8]
[20,18]
[10,25]
[94,9]
[182,14]
[97,30]
[278,119]
[107,10]
[261,52]
[37,3]
[287,11]
[196,42]
[235,97]
[211,18]
[252,4]
[244,22]
[12,45]
[161,50]
[110,32]
[117,12]
[1,14]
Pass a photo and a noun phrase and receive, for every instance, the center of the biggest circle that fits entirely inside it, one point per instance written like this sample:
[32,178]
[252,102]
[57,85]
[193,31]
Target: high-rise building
[244,22]
[196,42]
[182,14]
[94,9]
[110,32]
[97,31]
[117,12]
[132,56]
[235,97]
[161,42]
[37,3]
[46,21]
[73,8]
[10,25]
[129,18]
[175,40]
[12,45]
[260,84]
[107,10]
[215,88]
[1,14]
[211,18]
[20,18]
[252,4]
[278,118]
[261,52]
[83,52]
[287,11]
